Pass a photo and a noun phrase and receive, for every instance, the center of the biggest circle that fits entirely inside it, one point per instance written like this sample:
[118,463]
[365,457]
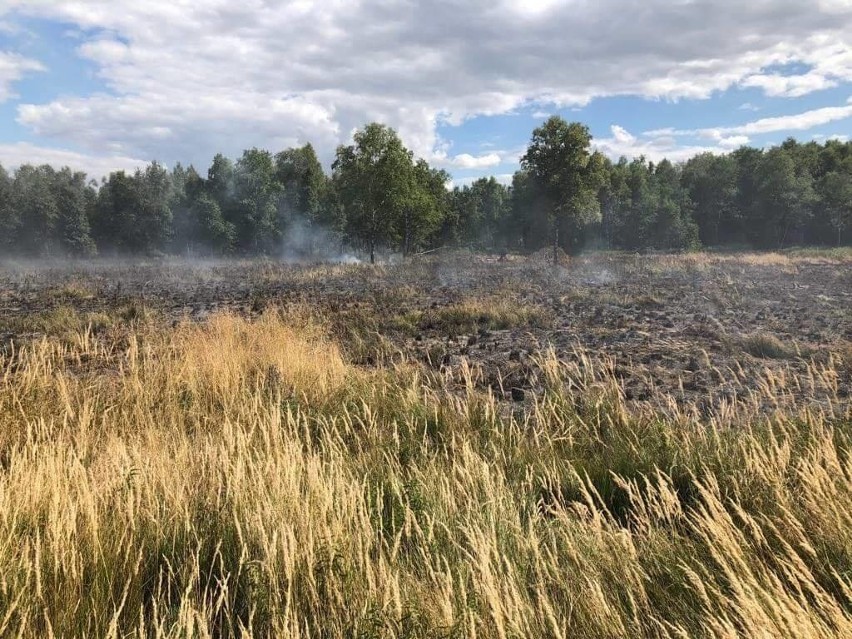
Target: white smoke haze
[308,242]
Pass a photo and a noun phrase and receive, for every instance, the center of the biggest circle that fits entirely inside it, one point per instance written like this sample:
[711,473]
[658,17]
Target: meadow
[621,446]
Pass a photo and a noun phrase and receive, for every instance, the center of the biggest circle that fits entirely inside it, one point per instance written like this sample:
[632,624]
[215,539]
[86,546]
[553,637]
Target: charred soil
[696,330]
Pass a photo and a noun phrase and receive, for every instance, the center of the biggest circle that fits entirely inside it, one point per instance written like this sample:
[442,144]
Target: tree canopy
[565,175]
[380,197]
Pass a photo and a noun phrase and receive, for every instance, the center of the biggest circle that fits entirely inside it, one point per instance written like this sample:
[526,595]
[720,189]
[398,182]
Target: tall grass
[240,478]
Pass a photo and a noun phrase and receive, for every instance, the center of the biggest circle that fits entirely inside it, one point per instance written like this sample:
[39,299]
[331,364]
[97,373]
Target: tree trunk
[372,236]
[784,236]
[556,243]
[406,242]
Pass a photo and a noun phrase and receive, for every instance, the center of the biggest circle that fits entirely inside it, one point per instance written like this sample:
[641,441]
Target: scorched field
[454,446]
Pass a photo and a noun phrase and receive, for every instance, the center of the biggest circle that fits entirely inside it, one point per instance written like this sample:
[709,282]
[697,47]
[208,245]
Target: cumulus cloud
[828,62]
[467,161]
[185,80]
[733,142]
[12,155]
[839,137]
[795,122]
[654,147]
[13,67]
[667,143]
[790,86]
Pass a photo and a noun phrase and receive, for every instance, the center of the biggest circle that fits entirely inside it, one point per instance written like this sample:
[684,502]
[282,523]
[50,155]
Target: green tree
[671,210]
[199,223]
[133,212]
[35,205]
[211,228]
[784,195]
[483,212]
[73,197]
[152,214]
[304,182]
[424,206]
[113,212]
[9,217]
[566,172]
[834,156]
[182,228]
[836,197]
[256,202]
[614,197]
[529,213]
[711,182]
[307,213]
[632,219]
[220,181]
[373,178]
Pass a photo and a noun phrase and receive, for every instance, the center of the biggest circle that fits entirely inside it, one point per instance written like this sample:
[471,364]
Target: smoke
[305,241]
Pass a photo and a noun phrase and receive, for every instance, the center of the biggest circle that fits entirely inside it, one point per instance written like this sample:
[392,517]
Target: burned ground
[695,330]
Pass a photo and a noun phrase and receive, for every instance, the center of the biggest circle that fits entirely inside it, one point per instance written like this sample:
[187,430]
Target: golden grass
[766,345]
[240,478]
[467,316]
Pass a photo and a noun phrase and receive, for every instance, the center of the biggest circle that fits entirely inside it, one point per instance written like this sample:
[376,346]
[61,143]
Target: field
[456,446]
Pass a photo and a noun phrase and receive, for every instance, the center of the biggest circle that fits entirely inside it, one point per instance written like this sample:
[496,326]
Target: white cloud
[722,140]
[188,79]
[652,147]
[13,155]
[828,62]
[661,144]
[790,86]
[824,138]
[666,143]
[795,122]
[733,142]
[620,135]
[535,9]
[467,161]
[13,67]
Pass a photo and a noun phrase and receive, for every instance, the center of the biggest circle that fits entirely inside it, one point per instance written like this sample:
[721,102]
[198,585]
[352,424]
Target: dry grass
[63,321]
[241,479]
[766,345]
[471,315]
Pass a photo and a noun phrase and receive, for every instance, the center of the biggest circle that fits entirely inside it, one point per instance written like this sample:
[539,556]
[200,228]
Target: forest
[380,198]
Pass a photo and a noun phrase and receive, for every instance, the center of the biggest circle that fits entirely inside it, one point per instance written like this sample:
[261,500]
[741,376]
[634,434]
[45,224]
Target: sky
[102,85]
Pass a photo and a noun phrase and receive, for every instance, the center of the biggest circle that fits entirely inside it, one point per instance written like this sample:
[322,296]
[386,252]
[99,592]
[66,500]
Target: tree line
[379,197]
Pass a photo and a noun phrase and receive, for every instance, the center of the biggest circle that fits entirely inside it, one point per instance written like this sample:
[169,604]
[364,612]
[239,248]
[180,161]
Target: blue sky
[107,85]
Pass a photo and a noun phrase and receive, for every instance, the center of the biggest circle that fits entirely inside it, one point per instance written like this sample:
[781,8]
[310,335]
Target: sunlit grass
[241,478]
[471,315]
